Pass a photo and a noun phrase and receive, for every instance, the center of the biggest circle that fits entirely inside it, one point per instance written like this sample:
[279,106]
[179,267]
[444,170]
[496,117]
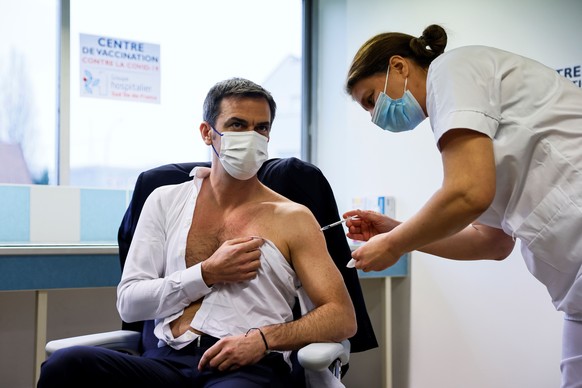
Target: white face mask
[242,153]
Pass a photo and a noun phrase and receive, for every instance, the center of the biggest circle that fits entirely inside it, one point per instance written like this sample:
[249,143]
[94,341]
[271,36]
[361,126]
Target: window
[113,138]
[28,91]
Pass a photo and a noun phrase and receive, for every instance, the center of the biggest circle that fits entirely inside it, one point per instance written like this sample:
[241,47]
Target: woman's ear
[399,65]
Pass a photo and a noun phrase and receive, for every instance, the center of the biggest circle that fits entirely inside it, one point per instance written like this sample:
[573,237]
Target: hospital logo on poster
[119,69]
[89,82]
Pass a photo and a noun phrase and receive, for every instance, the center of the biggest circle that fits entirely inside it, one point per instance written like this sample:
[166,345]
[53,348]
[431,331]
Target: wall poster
[119,69]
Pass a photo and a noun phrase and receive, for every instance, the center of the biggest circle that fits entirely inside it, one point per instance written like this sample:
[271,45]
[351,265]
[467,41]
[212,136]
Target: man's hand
[233,352]
[234,261]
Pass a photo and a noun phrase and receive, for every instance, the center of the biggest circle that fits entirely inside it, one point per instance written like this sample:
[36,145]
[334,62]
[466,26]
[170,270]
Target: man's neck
[229,192]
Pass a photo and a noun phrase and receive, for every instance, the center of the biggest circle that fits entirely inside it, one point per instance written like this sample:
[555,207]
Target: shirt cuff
[193,284]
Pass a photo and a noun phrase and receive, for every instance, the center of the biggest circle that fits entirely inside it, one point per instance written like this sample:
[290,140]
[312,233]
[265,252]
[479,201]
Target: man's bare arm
[333,318]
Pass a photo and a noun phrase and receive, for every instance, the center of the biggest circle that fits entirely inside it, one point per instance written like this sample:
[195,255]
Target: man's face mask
[242,153]
[398,115]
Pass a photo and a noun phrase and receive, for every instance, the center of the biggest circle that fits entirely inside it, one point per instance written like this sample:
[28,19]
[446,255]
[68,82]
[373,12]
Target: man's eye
[262,128]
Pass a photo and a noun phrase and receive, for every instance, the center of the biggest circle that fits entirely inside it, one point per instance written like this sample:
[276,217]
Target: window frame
[63,131]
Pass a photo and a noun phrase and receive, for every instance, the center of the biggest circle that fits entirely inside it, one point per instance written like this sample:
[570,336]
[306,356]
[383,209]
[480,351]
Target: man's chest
[207,233]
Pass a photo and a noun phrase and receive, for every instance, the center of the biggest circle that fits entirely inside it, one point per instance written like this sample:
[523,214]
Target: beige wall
[70,313]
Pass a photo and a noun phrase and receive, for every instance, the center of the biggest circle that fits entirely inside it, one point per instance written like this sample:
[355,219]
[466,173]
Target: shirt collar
[200,172]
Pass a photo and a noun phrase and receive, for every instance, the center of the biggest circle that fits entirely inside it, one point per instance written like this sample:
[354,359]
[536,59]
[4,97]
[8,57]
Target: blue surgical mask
[400,115]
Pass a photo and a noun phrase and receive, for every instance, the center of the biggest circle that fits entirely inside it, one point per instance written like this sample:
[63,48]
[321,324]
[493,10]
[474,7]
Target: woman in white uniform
[509,130]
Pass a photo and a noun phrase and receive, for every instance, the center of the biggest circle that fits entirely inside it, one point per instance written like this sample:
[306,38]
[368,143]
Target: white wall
[482,324]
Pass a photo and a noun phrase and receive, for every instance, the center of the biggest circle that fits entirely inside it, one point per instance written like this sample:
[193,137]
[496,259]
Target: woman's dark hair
[374,55]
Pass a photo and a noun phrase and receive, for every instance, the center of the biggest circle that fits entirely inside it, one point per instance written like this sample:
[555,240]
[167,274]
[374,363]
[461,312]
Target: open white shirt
[156,283]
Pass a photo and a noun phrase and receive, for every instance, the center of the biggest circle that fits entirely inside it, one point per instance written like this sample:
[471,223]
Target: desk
[52,266]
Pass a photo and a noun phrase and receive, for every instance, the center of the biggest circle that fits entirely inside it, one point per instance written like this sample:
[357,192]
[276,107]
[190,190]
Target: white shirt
[534,117]
[156,283]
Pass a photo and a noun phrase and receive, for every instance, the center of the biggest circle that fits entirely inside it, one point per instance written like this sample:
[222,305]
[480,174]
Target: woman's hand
[377,254]
[368,224]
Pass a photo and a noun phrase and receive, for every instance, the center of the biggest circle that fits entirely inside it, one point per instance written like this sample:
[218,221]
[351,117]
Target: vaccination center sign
[119,69]
[573,73]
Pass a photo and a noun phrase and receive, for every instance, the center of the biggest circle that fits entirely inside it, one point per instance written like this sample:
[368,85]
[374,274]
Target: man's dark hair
[237,88]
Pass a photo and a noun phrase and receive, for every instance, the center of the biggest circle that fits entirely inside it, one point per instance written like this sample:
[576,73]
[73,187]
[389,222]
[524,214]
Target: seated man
[218,262]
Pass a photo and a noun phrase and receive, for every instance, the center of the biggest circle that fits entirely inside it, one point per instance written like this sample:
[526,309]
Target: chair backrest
[293,178]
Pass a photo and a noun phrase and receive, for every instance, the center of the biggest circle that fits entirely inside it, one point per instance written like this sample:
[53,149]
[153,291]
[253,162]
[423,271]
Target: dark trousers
[84,366]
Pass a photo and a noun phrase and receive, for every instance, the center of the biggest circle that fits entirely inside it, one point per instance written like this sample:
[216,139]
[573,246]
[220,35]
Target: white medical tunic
[534,117]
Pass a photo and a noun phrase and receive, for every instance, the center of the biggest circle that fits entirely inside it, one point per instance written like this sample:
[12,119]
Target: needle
[338,223]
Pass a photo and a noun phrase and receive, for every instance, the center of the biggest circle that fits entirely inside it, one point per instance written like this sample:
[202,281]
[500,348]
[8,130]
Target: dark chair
[297,180]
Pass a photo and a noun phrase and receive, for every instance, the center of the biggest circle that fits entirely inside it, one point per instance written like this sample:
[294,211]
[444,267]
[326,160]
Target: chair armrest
[320,355]
[123,340]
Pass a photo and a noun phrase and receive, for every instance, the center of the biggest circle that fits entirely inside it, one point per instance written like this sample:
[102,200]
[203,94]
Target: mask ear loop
[212,144]
[386,82]
[220,134]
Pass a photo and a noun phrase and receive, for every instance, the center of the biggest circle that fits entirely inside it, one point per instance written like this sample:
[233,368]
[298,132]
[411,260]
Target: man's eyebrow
[245,122]
[264,123]
[236,120]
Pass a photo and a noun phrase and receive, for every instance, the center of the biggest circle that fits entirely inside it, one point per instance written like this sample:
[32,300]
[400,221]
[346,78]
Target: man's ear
[206,132]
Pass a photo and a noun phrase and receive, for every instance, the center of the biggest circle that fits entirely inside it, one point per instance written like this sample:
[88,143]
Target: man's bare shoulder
[284,222]
[283,206]
[289,217]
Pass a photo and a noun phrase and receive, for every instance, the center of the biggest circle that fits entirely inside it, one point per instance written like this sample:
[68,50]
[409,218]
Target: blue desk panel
[45,271]
[36,272]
